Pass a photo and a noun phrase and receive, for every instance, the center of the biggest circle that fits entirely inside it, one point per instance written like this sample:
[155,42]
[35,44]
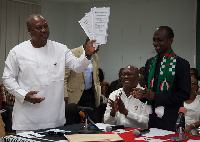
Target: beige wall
[131,27]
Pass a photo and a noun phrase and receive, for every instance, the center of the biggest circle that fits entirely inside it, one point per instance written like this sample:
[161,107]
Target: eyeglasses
[127,74]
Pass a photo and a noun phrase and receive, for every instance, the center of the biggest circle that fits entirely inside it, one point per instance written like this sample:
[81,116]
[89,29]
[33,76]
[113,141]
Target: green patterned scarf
[166,75]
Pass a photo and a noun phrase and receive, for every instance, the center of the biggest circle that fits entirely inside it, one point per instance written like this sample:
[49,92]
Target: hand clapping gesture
[146,93]
[117,105]
[113,105]
[121,107]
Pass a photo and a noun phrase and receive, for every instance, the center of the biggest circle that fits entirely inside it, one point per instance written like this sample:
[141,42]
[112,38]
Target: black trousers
[88,100]
[7,118]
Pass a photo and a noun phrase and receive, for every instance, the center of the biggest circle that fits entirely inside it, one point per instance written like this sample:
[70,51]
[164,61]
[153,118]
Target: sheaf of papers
[157,132]
[95,24]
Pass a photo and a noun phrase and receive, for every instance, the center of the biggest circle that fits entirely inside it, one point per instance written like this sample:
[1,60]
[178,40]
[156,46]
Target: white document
[30,134]
[102,126]
[95,24]
[86,24]
[100,24]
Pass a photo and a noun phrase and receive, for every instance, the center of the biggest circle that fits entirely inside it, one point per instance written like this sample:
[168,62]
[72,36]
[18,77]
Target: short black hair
[195,71]
[31,17]
[170,32]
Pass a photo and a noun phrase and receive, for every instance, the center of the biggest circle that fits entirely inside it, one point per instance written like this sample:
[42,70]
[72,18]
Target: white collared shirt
[137,116]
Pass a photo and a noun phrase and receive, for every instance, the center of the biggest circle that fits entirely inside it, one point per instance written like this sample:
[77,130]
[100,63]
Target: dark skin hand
[188,129]
[121,107]
[32,99]
[89,49]
[136,94]
[114,105]
[146,93]
[66,100]
[117,105]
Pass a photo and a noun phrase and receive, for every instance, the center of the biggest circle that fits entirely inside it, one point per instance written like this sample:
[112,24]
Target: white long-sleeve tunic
[39,69]
[137,116]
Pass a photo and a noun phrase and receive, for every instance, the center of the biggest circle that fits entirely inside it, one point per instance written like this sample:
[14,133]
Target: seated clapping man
[122,107]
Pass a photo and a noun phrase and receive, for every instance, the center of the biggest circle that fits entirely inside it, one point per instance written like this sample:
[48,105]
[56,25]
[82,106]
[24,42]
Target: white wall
[131,28]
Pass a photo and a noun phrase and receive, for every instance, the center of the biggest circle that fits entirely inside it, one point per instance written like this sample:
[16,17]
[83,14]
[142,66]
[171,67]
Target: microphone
[81,108]
[140,132]
[181,113]
[82,114]
[113,128]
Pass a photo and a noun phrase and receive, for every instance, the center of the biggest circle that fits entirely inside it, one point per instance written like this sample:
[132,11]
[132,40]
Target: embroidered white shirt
[137,116]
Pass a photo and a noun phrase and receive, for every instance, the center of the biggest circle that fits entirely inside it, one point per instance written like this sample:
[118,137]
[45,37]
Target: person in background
[104,96]
[2,129]
[104,85]
[122,107]
[83,88]
[167,80]
[194,72]
[117,83]
[34,73]
[8,101]
[141,71]
[141,76]
[192,116]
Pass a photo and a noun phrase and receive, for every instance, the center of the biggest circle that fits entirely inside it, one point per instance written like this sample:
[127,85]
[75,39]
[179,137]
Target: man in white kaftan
[34,73]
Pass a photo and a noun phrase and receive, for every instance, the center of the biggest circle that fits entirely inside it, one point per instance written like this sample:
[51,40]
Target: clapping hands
[146,93]
[117,105]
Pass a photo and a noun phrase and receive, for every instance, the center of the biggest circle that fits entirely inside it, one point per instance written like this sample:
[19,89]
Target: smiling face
[161,41]
[39,30]
[130,77]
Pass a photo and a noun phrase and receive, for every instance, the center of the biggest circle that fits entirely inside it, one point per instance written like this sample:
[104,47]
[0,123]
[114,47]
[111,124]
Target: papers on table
[157,132]
[30,134]
[153,133]
[102,126]
[95,24]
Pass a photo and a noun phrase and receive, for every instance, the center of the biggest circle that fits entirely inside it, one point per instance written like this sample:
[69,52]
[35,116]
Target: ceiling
[75,0]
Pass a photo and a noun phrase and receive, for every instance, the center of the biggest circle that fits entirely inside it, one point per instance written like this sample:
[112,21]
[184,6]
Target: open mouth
[126,81]
[44,36]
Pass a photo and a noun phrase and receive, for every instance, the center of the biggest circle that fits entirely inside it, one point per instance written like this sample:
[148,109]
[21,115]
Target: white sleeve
[76,64]
[142,117]
[108,119]
[10,76]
